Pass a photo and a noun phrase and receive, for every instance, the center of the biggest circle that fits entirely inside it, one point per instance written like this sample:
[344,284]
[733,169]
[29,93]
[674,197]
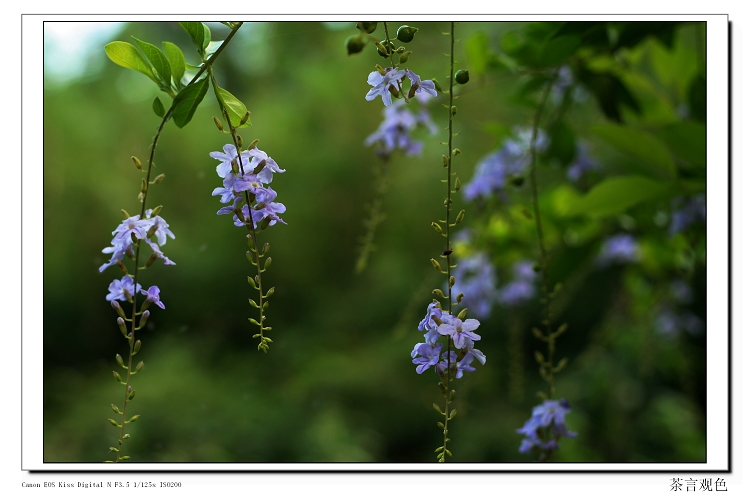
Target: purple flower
[160,229]
[511,159]
[620,248]
[382,84]
[152,295]
[419,87]
[270,166]
[475,278]
[521,288]
[248,182]
[395,129]
[550,415]
[582,163]
[133,225]
[122,289]
[459,331]
[425,355]
[120,248]
[229,154]
[685,213]
[463,365]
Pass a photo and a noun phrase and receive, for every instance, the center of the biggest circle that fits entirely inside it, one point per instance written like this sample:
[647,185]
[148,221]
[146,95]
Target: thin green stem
[547,295]
[448,250]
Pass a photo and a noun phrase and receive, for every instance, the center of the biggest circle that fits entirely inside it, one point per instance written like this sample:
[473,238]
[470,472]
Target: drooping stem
[144,194]
[249,224]
[549,337]
[375,214]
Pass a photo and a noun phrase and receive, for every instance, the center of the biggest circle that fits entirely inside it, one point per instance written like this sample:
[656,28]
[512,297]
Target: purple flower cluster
[436,324]
[686,212]
[545,427]
[249,172]
[582,163]
[386,82]
[126,235]
[521,288]
[395,130]
[620,248]
[511,159]
[565,81]
[475,278]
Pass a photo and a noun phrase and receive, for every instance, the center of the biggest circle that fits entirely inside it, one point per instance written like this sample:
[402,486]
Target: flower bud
[454,109]
[116,305]
[137,162]
[405,57]
[121,324]
[406,33]
[244,120]
[437,227]
[267,263]
[355,44]
[139,366]
[462,76]
[239,142]
[118,358]
[459,297]
[134,418]
[452,281]
[462,313]
[384,48]
[144,317]
[151,259]
[260,167]
[144,186]
[367,26]
[117,376]
[131,394]
[436,264]
[136,347]
[437,85]
[380,69]
[460,215]
[270,292]
[218,124]
[253,144]
[113,422]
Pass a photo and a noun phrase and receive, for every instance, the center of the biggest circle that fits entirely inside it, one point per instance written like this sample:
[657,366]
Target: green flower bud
[121,324]
[244,119]
[437,85]
[218,124]
[462,76]
[118,357]
[406,33]
[137,347]
[404,57]
[137,163]
[385,48]
[158,179]
[367,26]
[355,44]
[253,144]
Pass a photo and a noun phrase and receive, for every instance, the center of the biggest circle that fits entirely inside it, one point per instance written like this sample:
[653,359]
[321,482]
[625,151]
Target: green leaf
[558,49]
[158,59]
[213,47]
[199,33]
[127,56]
[562,143]
[640,145]
[234,106]
[187,101]
[687,140]
[617,194]
[158,107]
[176,61]
[478,52]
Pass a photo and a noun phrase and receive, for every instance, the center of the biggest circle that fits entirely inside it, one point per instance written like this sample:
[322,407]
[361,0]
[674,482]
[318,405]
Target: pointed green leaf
[640,145]
[213,47]
[158,107]
[234,106]
[617,194]
[199,33]
[127,56]
[187,101]
[176,61]
[158,59]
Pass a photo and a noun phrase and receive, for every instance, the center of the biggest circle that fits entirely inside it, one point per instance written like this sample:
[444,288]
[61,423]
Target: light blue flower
[382,84]
[459,331]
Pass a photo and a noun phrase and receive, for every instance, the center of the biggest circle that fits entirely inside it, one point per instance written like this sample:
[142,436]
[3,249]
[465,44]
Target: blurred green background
[338,384]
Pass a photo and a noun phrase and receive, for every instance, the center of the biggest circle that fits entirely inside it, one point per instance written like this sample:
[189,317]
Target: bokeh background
[338,384]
